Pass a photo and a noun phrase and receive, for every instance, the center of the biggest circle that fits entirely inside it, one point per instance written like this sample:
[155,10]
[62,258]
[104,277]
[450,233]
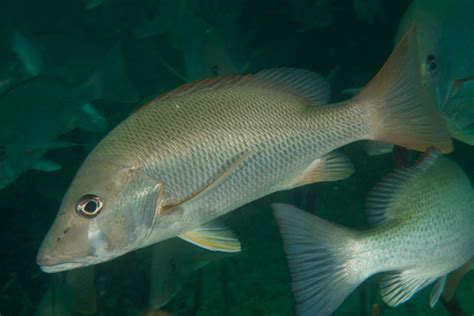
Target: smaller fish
[423,222]
[70,293]
[173,262]
[35,112]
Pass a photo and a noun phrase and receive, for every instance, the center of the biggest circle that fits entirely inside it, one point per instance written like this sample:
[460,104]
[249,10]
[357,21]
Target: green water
[164,44]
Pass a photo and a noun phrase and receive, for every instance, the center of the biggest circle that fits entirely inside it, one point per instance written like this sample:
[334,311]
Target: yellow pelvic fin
[213,236]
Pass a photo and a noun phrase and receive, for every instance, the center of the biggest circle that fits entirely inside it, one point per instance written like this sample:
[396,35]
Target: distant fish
[444,35]
[206,54]
[424,223]
[173,262]
[35,112]
[70,293]
[209,147]
[27,53]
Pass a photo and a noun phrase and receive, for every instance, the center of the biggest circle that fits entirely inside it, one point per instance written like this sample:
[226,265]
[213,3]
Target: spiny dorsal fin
[300,82]
[386,192]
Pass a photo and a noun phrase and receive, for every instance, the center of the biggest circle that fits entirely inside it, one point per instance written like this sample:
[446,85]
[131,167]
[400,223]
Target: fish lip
[61,267]
[70,264]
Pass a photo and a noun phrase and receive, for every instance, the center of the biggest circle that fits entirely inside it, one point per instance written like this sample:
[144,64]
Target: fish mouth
[66,265]
[61,267]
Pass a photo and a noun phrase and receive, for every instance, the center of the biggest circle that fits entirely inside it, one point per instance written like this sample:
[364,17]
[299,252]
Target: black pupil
[431,63]
[90,206]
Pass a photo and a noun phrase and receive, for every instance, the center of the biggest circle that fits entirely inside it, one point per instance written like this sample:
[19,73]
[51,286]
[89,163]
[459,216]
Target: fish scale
[186,167]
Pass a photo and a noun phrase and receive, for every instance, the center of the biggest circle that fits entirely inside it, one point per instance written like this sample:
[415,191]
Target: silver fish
[423,219]
[209,147]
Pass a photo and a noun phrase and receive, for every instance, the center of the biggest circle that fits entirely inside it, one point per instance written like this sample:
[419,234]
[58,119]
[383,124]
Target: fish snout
[63,245]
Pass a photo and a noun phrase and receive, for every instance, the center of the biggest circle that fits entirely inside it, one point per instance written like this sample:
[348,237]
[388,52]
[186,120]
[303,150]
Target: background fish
[35,112]
[70,293]
[444,32]
[204,149]
[424,223]
[173,262]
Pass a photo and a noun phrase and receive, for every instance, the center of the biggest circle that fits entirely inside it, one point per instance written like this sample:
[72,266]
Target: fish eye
[431,65]
[89,206]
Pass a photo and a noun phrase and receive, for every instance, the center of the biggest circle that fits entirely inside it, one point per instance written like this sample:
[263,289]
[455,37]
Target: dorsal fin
[387,191]
[300,82]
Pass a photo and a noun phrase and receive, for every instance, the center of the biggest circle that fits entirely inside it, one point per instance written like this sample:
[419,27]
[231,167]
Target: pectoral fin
[331,167]
[197,197]
[213,236]
[46,165]
[91,120]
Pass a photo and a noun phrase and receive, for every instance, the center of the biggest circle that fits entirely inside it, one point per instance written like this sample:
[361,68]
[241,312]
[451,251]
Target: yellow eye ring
[89,206]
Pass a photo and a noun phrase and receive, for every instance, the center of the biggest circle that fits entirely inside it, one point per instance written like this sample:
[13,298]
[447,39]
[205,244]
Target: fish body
[445,36]
[204,149]
[423,229]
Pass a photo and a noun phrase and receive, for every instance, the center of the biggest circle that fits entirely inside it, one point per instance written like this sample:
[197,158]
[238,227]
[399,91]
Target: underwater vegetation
[204,157]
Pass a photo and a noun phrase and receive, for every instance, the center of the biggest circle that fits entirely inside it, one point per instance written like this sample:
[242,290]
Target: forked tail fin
[319,260]
[401,110]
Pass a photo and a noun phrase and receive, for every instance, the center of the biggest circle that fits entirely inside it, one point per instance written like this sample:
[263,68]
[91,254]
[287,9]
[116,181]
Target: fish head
[423,16]
[108,211]
[447,69]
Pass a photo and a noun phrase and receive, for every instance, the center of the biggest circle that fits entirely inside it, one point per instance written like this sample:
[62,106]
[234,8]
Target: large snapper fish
[209,147]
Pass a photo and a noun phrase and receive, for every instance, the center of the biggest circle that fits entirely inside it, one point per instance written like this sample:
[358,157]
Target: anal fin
[399,287]
[213,236]
[331,167]
[454,279]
